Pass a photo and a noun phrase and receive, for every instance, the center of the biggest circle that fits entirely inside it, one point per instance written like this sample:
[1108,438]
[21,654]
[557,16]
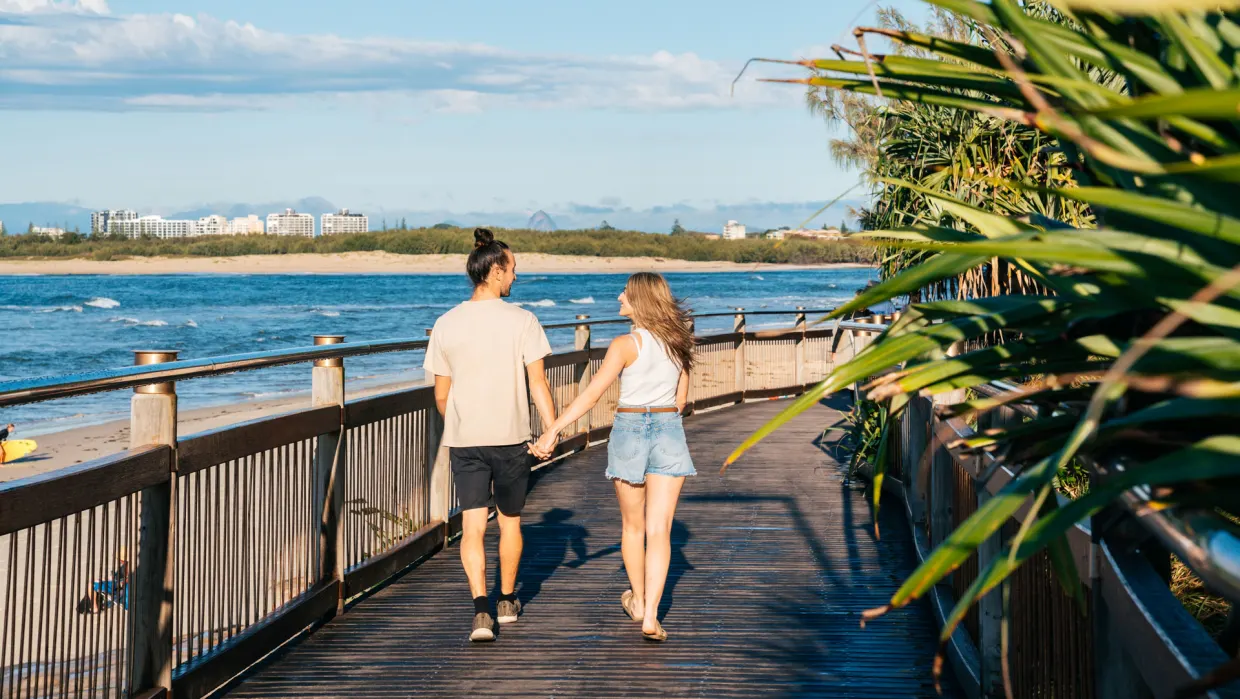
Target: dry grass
[1210,610]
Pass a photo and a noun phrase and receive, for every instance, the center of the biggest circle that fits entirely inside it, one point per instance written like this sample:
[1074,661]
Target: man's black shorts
[475,468]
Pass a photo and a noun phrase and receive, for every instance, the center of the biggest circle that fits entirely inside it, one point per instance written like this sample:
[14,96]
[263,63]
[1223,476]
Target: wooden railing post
[990,606]
[916,462]
[581,334]
[989,615]
[689,407]
[799,371]
[942,485]
[738,326]
[441,469]
[330,466]
[583,372]
[942,466]
[1117,674]
[153,420]
[840,353]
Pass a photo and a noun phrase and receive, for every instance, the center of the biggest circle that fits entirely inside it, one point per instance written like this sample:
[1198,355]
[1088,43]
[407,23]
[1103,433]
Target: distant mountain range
[18,217]
[309,205]
[657,219]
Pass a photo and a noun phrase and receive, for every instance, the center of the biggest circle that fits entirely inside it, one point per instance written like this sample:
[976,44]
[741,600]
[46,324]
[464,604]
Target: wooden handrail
[389,513]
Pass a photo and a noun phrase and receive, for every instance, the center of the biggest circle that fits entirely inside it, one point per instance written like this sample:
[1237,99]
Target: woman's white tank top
[651,380]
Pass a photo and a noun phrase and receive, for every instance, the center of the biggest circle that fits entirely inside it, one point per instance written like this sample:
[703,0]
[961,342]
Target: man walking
[481,354]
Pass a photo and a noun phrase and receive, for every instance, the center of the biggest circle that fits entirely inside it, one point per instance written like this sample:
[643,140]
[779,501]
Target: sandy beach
[375,263]
[69,447]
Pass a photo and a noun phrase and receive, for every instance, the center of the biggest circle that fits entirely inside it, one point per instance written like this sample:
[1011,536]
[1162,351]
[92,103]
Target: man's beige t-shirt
[484,347]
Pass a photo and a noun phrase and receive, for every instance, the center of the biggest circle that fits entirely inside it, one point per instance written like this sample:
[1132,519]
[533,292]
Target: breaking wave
[135,322]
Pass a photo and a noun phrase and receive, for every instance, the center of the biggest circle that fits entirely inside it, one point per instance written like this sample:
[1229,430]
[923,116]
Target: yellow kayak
[15,449]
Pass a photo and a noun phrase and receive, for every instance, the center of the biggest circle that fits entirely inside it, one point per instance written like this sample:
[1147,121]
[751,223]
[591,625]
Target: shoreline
[382,263]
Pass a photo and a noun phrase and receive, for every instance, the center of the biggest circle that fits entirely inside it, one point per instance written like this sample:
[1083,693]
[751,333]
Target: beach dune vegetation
[448,241]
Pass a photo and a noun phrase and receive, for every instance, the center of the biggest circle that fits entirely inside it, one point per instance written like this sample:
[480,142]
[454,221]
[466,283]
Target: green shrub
[428,241]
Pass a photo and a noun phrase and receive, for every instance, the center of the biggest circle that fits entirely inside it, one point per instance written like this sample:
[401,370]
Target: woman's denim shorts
[643,443]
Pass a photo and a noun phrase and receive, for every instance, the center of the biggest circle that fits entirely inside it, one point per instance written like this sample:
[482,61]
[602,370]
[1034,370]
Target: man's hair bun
[483,237]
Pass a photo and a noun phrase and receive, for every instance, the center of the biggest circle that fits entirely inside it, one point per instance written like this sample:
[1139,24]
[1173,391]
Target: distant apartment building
[48,231]
[775,234]
[213,225]
[128,223]
[733,231]
[824,234]
[344,222]
[291,223]
[155,226]
[112,220]
[246,226]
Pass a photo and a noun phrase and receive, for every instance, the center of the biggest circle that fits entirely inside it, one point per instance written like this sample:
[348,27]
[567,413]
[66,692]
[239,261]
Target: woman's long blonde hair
[664,315]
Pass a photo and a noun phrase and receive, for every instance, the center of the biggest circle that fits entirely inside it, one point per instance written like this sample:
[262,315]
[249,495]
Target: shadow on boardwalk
[772,566]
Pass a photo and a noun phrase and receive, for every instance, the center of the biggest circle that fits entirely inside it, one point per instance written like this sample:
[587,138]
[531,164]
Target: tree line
[429,241]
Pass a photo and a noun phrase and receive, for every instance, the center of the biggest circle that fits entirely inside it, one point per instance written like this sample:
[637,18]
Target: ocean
[55,325]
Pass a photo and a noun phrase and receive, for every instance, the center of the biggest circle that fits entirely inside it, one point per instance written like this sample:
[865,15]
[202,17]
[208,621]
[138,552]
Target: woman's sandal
[626,601]
[658,636]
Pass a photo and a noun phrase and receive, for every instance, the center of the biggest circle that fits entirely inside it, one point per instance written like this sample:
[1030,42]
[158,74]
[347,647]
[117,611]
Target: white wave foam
[132,322]
[588,299]
[545,303]
[190,323]
[759,277]
[60,309]
[329,314]
[103,302]
[263,395]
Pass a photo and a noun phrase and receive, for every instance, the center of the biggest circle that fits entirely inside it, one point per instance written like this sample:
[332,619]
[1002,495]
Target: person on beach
[105,594]
[6,431]
[647,456]
[481,353]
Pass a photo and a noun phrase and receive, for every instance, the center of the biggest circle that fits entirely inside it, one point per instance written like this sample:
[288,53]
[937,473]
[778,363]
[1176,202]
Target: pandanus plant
[1129,345]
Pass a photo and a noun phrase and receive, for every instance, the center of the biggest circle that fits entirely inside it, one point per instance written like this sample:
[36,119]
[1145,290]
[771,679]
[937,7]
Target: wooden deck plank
[772,566]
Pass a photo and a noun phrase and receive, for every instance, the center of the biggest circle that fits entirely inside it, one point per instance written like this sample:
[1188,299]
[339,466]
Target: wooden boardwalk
[771,568]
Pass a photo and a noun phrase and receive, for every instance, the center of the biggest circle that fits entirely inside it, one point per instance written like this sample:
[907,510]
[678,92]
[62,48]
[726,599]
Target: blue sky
[469,105]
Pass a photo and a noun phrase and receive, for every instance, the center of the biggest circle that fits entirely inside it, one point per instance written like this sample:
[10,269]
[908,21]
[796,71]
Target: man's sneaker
[507,612]
[484,628]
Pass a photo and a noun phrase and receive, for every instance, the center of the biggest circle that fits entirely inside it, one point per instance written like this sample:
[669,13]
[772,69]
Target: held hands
[545,445]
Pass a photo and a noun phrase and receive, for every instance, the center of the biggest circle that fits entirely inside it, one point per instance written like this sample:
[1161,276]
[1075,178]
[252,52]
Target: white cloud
[75,55]
[53,6]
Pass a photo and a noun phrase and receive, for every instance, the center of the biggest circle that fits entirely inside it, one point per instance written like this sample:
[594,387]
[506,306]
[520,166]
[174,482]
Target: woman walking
[647,457]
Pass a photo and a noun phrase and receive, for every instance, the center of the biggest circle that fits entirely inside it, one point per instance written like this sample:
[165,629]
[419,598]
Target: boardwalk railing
[1135,638]
[174,566]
